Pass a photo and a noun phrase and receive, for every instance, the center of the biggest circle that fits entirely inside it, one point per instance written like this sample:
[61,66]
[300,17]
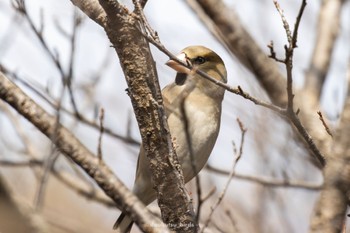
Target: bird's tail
[123,224]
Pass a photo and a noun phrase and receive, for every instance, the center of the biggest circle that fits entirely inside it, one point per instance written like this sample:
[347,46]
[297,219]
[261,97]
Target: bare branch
[72,148]
[269,181]
[143,88]
[331,208]
[273,53]
[284,21]
[324,123]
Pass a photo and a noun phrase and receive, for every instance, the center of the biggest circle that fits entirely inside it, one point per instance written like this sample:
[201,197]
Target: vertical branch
[144,91]
[330,210]
[309,96]
[288,61]
[289,50]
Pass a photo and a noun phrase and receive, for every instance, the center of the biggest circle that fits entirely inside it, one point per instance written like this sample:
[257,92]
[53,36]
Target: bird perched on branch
[193,108]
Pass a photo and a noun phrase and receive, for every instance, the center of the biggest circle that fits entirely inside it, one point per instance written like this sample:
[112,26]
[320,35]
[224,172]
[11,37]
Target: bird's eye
[199,60]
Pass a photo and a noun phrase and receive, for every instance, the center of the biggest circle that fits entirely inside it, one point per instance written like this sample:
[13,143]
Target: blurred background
[270,152]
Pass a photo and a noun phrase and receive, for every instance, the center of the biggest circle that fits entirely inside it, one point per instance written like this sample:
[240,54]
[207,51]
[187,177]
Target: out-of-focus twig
[66,77]
[225,24]
[41,92]
[67,179]
[99,146]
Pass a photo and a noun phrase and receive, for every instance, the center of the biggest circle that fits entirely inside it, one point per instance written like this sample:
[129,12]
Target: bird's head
[204,59]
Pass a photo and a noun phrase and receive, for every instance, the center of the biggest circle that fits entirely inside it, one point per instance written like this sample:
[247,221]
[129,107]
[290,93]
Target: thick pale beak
[176,66]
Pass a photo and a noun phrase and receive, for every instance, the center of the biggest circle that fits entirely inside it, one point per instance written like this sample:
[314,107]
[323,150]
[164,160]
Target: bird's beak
[178,67]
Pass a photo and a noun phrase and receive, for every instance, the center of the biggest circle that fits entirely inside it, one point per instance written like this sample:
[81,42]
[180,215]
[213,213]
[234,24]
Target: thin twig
[324,123]
[268,181]
[284,21]
[273,53]
[232,173]
[297,23]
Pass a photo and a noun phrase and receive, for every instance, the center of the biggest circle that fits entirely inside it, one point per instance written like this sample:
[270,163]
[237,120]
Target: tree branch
[69,145]
[268,181]
[123,31]
[330,210]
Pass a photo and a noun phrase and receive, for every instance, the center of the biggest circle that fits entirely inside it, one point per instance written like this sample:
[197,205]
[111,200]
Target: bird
[193,109]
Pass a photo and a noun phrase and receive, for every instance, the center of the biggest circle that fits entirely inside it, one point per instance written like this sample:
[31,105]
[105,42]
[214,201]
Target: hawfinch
[193,108]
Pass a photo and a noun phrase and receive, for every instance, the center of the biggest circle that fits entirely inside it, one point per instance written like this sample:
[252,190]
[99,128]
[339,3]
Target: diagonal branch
[69,145]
